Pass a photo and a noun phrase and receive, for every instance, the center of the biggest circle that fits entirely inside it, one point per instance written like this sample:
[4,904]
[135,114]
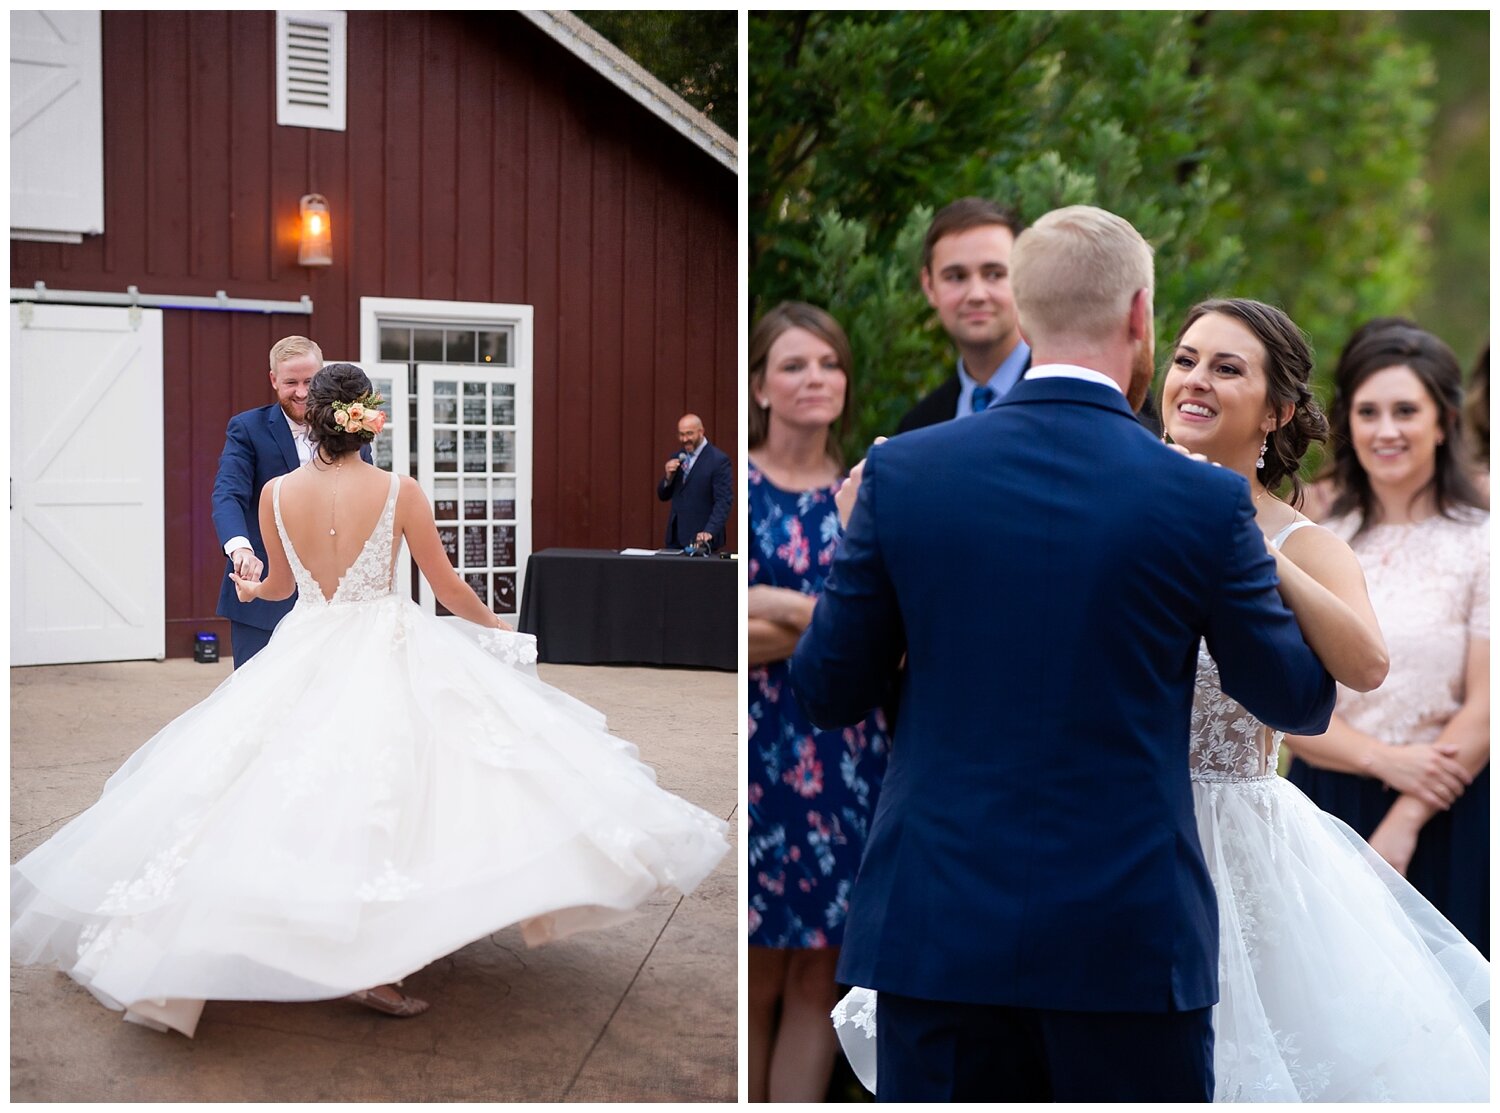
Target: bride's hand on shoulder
[848,491]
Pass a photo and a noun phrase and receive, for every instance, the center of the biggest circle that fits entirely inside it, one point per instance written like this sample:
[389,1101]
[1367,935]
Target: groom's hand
[247,565]
[849,492]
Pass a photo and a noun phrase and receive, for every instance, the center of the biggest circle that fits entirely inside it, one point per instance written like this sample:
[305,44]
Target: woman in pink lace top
[1406,765]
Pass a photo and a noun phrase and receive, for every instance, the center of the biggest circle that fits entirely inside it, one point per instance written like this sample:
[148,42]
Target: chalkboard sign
[505,547]
[449,537]
[445,510]
[503,411]
[474,510]
[444,450]
[474,451]
[505,509]
[476,581]
[473,406]
[505,451]
[505,592]
[474,547]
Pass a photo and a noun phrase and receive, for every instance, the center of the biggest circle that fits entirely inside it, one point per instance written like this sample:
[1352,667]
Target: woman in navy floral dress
[811,792]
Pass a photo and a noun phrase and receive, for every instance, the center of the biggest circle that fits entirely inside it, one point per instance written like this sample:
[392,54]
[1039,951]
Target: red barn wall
[481,162]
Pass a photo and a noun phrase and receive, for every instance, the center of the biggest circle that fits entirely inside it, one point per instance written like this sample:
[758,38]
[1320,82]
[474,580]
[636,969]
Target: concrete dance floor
[641,1012]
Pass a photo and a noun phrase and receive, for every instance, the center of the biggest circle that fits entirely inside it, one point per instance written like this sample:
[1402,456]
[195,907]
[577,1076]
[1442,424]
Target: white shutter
[56,126]
[310,69]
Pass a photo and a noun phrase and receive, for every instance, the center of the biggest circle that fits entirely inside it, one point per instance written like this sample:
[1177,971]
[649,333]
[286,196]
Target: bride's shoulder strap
[1289,529]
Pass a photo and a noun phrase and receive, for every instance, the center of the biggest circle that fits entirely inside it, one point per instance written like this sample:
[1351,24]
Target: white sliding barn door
[87,507]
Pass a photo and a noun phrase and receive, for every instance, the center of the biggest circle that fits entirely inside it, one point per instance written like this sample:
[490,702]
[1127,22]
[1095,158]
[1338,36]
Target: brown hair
[790,315]
[1289,364]
[1434,363]
[966,213]
[338,382]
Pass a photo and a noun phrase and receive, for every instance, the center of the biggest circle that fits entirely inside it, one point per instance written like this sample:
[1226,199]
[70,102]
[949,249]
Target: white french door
[393,453]
[474,463]
[87,505]
[458,377]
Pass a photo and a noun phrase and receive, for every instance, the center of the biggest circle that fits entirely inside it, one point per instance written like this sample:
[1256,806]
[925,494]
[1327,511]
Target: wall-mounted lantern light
[315,248]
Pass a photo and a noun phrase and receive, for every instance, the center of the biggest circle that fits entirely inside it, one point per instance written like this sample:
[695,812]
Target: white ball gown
[371,792]
[1337,980]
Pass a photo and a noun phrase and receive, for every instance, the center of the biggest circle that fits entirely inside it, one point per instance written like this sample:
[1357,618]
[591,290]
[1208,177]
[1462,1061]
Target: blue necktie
[981,399]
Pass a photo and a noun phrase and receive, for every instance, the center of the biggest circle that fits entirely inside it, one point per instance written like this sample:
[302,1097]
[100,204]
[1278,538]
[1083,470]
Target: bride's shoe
[389,1000]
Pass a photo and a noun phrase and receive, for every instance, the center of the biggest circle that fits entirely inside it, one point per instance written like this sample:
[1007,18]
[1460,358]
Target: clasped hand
[1430,773]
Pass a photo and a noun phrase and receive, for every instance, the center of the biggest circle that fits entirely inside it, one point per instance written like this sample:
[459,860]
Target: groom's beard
[1142,370]
[291,408]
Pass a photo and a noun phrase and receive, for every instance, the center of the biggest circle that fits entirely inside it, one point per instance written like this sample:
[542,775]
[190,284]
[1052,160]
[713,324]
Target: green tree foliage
[693,53]
[1267,155]
[1456,303]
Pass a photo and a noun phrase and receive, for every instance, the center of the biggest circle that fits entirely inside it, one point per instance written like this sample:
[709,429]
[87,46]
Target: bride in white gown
[371,792]
[1338,980]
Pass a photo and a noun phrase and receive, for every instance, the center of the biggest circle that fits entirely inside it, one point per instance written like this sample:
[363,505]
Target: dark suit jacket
[258,447]
[1049,569]
[700,503]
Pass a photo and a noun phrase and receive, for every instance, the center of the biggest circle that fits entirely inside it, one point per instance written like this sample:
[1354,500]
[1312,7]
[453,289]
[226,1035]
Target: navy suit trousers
[944,1051]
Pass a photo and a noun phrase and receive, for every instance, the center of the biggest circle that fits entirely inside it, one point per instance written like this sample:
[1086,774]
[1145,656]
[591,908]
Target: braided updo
[338,382]
[1289,364]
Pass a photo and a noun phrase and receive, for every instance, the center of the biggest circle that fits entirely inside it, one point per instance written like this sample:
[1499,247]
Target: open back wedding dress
[1337,980]
[369,793]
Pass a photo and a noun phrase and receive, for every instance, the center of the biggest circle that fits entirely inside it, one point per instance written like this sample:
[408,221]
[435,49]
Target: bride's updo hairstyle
[338,382]
[1289,364]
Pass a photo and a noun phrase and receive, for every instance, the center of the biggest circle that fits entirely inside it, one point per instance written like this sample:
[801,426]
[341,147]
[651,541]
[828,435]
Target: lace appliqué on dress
[367,579]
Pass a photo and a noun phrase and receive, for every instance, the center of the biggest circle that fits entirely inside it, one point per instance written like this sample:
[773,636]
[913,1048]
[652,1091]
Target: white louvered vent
[310,69]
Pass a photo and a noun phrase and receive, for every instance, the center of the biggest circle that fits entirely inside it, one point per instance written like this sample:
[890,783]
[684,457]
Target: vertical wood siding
[482,162]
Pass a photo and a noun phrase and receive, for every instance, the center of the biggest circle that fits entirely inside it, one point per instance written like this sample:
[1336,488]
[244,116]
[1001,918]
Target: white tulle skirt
[369,793]
[1338,980]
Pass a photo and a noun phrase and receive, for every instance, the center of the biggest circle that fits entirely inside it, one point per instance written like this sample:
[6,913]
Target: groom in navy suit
[259,445]
[1033,904]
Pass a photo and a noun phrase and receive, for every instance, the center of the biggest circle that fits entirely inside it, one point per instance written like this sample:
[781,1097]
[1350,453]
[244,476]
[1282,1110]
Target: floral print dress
[811,792]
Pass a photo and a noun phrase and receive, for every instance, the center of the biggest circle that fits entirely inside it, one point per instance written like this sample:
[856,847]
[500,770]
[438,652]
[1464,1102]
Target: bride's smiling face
[1215,399]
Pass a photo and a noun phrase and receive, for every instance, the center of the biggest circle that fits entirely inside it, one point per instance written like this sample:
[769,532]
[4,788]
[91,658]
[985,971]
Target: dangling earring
[1261,460]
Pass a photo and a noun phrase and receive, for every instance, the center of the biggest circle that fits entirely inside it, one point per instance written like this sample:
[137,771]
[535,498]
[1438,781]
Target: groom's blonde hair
[1074,273]
[290,347]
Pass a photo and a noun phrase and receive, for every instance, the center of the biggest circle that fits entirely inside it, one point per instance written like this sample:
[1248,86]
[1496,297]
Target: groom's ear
[1140,315]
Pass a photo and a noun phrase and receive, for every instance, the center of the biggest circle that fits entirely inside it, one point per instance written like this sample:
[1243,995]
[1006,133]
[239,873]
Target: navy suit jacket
[1035,843]
[700,503]
[258,446]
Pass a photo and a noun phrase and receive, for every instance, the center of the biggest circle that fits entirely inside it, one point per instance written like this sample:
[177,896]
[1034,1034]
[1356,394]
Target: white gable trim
[622,70]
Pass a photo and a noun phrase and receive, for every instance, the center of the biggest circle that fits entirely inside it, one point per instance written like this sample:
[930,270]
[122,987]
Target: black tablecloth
[594,606]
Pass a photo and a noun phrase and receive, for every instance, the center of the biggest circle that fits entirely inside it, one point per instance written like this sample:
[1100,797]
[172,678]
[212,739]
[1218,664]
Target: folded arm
[776,618]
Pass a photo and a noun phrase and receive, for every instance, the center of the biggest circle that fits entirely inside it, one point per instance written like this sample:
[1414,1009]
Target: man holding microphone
[699,481]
